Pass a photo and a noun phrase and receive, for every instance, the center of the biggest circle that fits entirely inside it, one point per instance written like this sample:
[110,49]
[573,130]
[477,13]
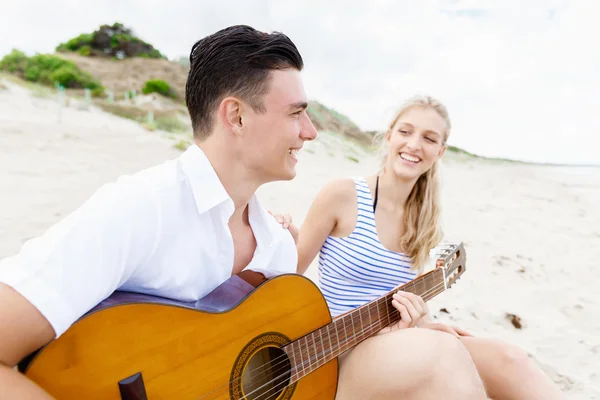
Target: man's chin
[291,175]
[282,176]
[288,175]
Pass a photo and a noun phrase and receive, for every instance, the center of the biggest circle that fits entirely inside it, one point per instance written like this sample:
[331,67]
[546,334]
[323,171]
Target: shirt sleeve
[83,258]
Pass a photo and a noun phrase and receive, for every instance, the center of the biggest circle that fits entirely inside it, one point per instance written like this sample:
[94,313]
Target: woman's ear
[442,151]
[388,136]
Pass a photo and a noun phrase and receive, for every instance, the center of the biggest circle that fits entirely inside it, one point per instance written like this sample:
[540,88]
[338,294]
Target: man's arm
[60,275]
[22,331]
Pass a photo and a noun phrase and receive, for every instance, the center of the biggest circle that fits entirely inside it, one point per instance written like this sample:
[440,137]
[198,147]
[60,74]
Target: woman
[374,234]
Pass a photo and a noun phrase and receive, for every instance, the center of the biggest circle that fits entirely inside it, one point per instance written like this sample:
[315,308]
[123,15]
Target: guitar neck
[348,330]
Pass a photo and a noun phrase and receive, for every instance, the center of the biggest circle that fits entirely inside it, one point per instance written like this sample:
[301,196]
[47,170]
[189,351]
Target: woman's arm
[327,212]
[332,211]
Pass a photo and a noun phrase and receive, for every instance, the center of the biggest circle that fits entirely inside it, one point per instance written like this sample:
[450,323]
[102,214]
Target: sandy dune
[532,233]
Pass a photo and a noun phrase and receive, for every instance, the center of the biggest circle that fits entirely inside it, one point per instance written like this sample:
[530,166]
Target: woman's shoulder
[340,194]
[341,189]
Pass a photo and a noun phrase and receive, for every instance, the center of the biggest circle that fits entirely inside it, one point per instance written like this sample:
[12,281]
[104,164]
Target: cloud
[519,78]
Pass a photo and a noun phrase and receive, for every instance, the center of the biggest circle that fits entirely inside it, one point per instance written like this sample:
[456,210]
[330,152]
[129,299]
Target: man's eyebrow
[299,105]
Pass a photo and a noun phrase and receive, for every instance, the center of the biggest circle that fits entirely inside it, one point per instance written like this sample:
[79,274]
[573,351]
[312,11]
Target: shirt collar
[206,186]
[209,192]
[263,225]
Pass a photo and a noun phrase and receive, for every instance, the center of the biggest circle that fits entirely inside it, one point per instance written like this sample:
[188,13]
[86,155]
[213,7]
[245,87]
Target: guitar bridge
[132,388]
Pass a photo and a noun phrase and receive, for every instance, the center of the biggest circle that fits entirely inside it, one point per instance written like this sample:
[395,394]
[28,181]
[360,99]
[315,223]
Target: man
[178,229]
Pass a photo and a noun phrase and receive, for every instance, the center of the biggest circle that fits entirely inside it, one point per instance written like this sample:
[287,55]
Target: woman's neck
[393,192]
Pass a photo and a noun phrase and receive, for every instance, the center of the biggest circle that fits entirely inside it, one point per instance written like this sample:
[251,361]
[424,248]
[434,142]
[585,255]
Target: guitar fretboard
[346,331]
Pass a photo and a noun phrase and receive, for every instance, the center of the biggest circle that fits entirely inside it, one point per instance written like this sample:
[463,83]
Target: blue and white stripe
[356,269]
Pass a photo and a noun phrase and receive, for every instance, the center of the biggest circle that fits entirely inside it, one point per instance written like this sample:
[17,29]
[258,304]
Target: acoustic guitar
[273,342]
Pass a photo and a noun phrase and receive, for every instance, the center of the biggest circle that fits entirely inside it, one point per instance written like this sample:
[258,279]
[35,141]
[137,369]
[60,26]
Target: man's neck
[233,175]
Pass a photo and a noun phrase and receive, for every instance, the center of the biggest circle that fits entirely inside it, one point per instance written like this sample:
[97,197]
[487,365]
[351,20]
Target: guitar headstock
[452,258]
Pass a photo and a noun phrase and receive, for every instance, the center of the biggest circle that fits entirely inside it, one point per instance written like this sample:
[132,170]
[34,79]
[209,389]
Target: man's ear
[230,114]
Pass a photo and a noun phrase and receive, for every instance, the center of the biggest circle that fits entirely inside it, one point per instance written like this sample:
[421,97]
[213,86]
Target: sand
[532,233]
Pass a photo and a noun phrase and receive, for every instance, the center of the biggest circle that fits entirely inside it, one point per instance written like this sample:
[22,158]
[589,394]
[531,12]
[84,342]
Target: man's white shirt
[161,231]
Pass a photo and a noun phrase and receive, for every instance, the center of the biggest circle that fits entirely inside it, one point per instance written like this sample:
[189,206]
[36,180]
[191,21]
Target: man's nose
[308,131]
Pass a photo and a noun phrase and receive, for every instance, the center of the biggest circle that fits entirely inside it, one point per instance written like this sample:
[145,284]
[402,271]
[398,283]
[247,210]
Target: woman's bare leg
[409,364]
[508,373]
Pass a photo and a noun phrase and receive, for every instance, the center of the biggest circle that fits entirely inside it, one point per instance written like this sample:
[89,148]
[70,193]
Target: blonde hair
[422,210]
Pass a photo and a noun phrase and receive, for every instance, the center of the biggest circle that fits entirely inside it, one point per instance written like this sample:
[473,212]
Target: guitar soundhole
[266,375]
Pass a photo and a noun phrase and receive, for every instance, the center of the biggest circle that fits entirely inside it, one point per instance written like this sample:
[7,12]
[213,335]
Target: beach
[531,232]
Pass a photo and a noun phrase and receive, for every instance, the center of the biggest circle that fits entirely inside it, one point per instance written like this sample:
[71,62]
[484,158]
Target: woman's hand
[436,326]
[286,222]
[411,308]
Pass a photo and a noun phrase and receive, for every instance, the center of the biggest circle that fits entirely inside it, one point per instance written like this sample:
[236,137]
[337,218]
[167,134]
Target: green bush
[13,62]
[65,76]
[82,40]
[49,69]
[33,73]
[85,50]
[114,40]
[158,86]
[76,43]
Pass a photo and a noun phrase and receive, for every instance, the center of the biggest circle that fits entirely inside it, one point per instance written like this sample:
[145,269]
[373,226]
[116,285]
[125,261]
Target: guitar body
[179,351]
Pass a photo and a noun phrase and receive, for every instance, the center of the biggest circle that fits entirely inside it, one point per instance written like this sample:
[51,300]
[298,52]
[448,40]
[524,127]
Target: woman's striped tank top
[356,269]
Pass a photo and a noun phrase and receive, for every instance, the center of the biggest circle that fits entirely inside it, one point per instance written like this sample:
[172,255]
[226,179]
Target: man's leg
[508,373]
[409,364]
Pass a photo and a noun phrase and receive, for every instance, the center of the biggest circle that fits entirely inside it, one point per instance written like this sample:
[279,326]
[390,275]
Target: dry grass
[36,89]
[174,119]
[121,76]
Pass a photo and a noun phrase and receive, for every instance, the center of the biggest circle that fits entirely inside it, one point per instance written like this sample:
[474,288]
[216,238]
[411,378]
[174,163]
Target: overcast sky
[520,78]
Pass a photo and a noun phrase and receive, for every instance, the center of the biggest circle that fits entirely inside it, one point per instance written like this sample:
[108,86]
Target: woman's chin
[407,173]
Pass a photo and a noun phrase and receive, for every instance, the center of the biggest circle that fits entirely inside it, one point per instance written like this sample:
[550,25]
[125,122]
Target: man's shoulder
[143,191]
[165,182]
[160,176]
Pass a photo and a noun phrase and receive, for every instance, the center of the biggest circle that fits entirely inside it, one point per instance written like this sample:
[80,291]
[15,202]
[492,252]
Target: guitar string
[372,327]
[308,344]
[365,310]
[295,370]
[284,357]
[274,388]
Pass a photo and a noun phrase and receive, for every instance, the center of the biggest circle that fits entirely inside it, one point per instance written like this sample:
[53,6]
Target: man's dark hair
[235,61]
